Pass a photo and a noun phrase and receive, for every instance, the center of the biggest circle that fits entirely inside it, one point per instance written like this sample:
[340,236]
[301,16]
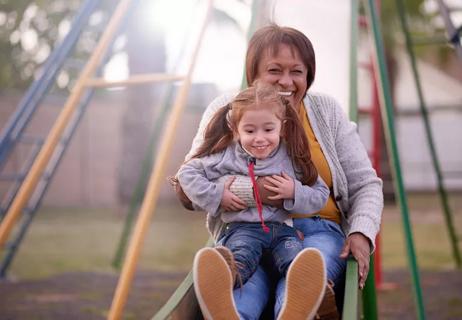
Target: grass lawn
[70,239]
[430,233]
[73,240]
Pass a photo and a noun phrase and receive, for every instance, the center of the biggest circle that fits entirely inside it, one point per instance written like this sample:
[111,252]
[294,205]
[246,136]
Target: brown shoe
[305,286]
[229,258]
[328,308]
[213,284]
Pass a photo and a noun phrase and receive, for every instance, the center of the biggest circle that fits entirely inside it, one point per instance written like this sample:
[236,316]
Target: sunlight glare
[174,24]
[117,68]
[169,14]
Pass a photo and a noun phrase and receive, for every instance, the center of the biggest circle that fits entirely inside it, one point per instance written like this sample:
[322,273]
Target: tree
[28,32]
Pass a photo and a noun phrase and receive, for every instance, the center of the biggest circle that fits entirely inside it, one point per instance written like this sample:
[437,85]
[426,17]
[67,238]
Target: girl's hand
[229,201]
[282,185]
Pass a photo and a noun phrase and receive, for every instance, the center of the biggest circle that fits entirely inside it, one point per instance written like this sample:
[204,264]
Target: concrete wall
[88,172]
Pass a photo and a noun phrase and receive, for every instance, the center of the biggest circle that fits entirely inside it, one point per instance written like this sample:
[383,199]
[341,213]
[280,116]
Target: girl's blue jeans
[322,234]
[247,241]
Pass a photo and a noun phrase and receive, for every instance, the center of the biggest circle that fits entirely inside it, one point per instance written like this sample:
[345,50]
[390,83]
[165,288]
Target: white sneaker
[213,284]
[305,286]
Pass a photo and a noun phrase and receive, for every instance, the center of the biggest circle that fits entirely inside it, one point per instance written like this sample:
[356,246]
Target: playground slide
[327,24]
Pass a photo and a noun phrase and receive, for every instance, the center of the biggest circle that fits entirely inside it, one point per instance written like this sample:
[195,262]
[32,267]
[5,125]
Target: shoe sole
[213,285]
[305,286]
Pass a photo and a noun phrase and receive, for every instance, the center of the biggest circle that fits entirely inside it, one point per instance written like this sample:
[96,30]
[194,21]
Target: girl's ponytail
[298,146]
[218,135]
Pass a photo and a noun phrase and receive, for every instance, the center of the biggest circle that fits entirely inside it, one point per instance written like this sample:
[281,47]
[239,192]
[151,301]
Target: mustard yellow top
[330,210]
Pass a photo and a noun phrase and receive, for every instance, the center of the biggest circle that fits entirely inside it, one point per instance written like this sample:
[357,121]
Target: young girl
[257,134]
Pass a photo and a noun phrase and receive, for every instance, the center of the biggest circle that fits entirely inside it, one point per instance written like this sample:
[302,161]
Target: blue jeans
[247,241]
[322,234]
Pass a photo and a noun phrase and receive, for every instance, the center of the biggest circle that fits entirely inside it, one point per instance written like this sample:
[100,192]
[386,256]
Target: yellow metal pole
[152,192]
[56,131]
[133,80]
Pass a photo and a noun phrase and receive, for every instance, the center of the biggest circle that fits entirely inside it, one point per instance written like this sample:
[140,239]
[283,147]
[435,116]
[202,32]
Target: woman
[350,221]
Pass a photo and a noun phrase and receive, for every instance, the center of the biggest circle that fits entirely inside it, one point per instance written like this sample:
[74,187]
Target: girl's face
[285,70]
[259,132]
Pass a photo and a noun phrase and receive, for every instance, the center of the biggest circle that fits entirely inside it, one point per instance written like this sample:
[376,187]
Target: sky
[222,51]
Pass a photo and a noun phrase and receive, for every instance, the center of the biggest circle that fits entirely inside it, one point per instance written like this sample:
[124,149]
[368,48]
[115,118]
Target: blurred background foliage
[29,30]
[427,31]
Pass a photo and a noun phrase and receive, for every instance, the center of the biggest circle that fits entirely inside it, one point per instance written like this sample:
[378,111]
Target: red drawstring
[257,195]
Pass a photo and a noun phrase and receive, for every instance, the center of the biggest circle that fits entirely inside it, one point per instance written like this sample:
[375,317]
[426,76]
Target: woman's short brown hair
[269,38]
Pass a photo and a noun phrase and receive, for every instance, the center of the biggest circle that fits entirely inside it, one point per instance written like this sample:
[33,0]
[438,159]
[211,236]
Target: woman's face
[285,70]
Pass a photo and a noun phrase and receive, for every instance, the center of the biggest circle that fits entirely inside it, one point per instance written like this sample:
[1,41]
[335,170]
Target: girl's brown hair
[222,128]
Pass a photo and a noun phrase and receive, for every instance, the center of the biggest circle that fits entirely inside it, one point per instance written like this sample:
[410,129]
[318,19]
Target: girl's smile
[259,132]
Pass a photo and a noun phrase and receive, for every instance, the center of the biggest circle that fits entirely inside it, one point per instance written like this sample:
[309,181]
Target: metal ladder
[453,35]
[13,136]
[29,184]
[62,129]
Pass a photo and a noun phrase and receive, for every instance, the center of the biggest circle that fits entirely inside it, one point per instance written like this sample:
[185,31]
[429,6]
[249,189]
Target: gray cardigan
[357,189]
[199,180]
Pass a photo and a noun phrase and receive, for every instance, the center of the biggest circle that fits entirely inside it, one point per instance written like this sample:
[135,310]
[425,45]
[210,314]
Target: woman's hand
[265,193]
[359,246]
[229,201]
[283,186]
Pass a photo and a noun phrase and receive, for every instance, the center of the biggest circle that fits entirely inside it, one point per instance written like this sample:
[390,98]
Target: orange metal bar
[133,80]
[152,192]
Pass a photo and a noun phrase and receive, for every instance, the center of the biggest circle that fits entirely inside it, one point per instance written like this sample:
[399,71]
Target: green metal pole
[428,131]
[138,193]
[350,302]
[369,297]
[369,294]
[387,110]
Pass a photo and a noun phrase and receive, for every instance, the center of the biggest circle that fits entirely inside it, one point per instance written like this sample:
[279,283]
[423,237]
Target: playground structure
[41,165]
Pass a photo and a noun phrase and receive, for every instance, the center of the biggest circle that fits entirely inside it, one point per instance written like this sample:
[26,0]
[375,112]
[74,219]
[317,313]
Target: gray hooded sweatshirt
[357,189]
[199,178]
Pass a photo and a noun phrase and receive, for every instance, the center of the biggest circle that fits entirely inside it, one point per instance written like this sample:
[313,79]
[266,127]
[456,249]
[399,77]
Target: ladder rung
[133,80]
